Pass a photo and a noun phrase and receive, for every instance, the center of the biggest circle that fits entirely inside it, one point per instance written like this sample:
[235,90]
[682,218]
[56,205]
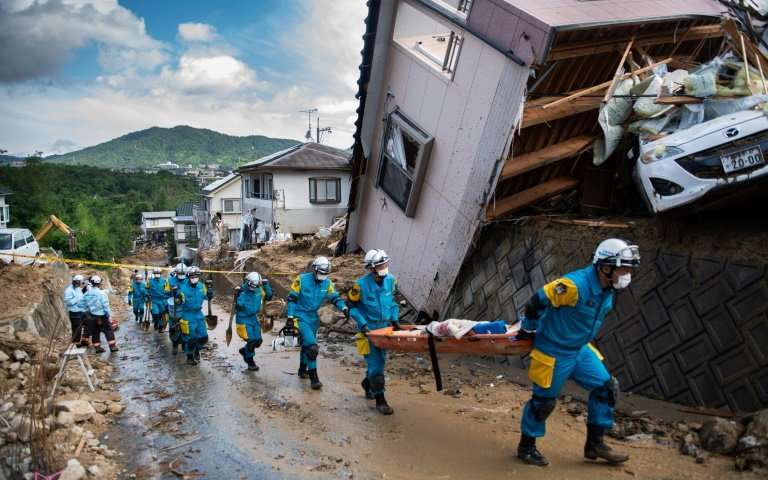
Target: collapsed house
[475,115]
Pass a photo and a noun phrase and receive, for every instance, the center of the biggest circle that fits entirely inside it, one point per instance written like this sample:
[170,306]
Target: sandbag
[611,118]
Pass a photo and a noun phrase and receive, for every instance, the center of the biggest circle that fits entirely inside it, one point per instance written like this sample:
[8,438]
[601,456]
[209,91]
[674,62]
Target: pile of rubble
[39,434]
[745,438]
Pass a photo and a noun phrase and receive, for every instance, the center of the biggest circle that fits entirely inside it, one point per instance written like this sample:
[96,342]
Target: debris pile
[40,434]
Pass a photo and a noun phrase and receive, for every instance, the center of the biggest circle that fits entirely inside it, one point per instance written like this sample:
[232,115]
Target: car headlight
[660,152]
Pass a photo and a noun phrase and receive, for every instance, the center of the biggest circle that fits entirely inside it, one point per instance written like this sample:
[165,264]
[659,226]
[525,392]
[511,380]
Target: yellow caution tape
[95,263]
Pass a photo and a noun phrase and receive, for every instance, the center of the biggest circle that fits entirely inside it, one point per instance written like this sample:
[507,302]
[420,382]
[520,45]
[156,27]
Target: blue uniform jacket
[373,304]
[191,299]
[138,292]
[307,295]
[97,302]
[73,297]
[157,290]
[249,303]
[576,306]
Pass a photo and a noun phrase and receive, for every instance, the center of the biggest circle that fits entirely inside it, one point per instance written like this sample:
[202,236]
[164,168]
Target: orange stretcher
[414,339]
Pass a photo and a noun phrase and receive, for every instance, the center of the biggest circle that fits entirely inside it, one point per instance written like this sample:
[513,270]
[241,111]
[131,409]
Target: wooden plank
[528,197]
[582,49]
[679,100]
[545,156]
[535,115]
[619,71]
[601,86]
[551,108]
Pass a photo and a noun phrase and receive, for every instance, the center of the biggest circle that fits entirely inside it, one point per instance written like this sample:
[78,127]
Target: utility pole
[321,130]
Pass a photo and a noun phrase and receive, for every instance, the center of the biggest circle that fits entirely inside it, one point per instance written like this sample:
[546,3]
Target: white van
[18,241]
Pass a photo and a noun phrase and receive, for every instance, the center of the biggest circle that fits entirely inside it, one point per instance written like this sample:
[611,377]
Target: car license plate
[743,159]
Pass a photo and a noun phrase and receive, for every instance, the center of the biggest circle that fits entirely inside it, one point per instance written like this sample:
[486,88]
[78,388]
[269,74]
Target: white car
[18,241]
[690,164]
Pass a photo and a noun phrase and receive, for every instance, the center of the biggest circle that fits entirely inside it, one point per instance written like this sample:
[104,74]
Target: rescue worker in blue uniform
[562,318]
[77,309]
[176,279]
[138,296]
[308,293]
[99,312]
[158,297]
[250,300]
[373,305]
[189,300]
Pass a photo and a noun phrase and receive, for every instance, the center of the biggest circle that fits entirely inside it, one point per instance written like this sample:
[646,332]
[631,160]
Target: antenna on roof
[309,112]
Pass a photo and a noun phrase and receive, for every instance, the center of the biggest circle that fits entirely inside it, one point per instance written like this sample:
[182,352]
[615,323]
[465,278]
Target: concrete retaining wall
[692,328]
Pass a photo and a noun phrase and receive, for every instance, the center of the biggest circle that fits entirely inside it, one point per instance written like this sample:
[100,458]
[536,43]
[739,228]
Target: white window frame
[263,178]
[313,181]
[224,204]
[5,213]
[398,121]
[190,231]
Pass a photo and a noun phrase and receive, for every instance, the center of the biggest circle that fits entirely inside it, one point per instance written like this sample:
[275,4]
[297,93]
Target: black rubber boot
[252,365]
[175,348]
[367,388]
[197,354]
[528,453]
[382,406]
[303,370]
[191,360]
[99,350]
[114,349]
[314,379]
[242,354]
[596,448]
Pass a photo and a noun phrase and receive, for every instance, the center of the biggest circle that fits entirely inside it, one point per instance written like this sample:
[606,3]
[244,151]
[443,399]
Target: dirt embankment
[31,299]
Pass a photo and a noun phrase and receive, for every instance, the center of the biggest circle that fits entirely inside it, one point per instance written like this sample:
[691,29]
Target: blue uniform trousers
[376,360]
[588,371]
[308,332]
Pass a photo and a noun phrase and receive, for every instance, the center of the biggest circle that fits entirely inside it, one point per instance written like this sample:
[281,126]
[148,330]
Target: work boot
[528,453]
[314,379]
[175,349]
[99,349]
[113,348]
[252,366]
[241,351]
[303,370]
[382,406]
[191,360]
[197,355]
[596,448]
[367,388]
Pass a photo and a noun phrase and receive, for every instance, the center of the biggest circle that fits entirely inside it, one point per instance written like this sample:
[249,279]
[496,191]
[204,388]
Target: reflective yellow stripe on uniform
[597,352]
[296,285]
[562,293]
[354,293]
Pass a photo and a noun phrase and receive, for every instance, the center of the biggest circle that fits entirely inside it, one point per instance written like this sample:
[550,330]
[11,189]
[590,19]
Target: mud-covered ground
[217,420]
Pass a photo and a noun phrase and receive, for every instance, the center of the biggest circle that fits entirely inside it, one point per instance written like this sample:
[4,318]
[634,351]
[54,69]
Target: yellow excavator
[54,221]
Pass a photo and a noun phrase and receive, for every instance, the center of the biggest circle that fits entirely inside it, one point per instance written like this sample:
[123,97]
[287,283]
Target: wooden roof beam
[548,155]
[528,197]
[702,32]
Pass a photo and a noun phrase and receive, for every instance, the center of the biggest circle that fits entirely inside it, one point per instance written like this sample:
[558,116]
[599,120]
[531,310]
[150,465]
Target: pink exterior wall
[471,119]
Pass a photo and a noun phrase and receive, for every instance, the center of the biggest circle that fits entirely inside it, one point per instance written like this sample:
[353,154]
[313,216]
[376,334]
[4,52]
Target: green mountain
[8,158]
[182,145]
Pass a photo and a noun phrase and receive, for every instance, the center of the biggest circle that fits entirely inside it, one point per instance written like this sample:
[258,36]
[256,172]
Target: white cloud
[207,86]
[36,38]
[222,73]
[197,32]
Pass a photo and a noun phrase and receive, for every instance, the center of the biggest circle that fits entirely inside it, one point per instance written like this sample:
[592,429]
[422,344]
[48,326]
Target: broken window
[403,161]
[325,190]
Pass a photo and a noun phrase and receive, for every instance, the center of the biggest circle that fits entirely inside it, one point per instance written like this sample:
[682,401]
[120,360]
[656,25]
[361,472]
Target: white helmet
[157,270]
[321,266]
[375,257]
[615,252]
[193,271]
[180,270]
[78,278]
[253,279]
[95,280]
[139,277]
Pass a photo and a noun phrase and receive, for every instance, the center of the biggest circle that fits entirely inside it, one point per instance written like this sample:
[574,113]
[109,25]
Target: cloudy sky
[75,73]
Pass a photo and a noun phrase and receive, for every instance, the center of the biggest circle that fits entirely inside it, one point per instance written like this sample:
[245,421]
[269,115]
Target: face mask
[193,281]
[320,277]
[383,272]
[252,286]
[180,276]
[623,281]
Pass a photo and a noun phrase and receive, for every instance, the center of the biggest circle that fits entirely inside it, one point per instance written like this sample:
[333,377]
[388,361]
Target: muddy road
[218,420]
